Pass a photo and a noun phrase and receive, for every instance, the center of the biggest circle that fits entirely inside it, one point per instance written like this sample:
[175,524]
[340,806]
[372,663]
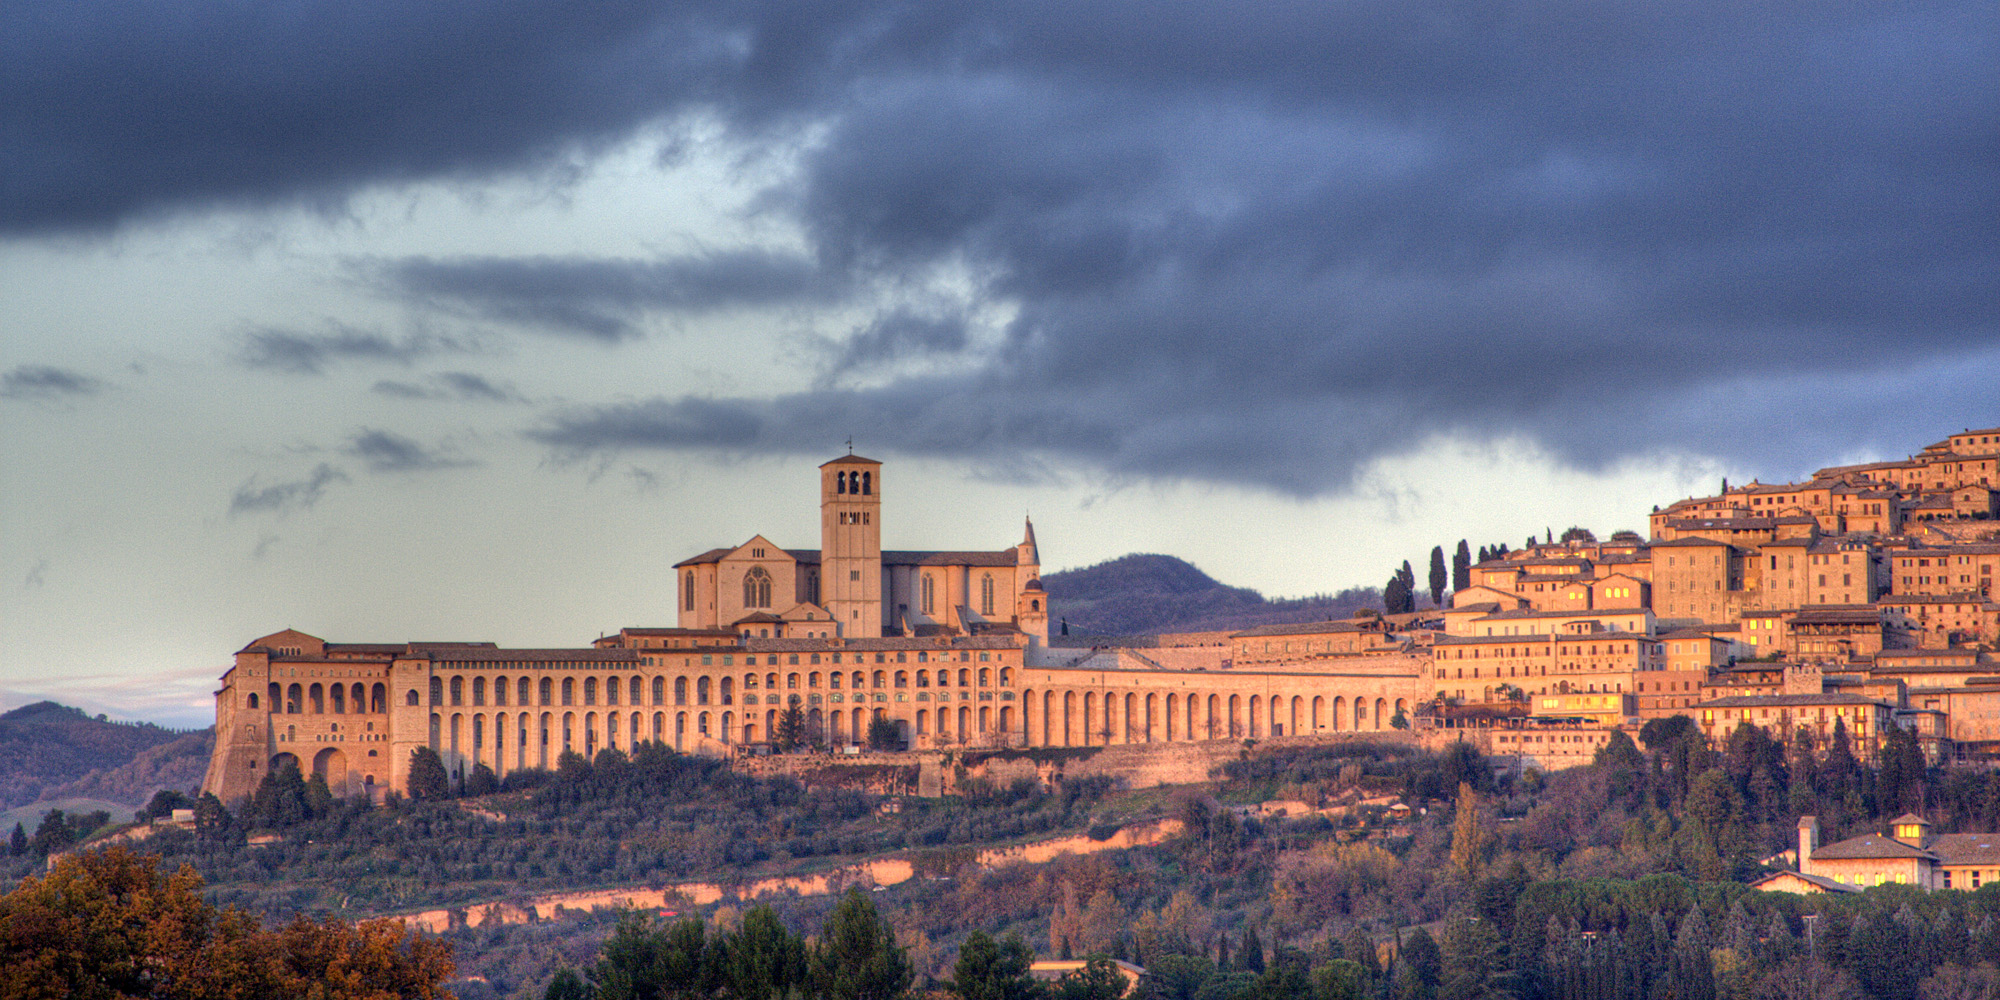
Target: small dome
[1035,584]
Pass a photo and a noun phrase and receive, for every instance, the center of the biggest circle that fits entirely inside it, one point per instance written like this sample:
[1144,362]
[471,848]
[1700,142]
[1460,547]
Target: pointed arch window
[687,591]
[757,588]
[929,596]
[986,595]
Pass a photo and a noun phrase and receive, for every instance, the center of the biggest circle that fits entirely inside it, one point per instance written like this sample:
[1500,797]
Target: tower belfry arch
[850,504]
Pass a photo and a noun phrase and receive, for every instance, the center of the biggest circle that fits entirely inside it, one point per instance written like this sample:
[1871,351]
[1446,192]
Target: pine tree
[990,970]
[1422,964]
[791,728]
[1439,577]
[764,961]
[857,957]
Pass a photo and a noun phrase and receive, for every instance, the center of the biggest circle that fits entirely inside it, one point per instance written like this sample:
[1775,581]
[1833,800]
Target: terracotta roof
[1786,701]
[850,459]
[1298,628]
[1966,848]
[873,645]
[678,631]
[1869,846]
[490,654]
[1840,614]
[1822,881]
[1004,557]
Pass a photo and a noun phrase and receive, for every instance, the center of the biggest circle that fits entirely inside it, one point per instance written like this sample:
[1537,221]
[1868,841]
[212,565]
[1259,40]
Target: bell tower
[850,551]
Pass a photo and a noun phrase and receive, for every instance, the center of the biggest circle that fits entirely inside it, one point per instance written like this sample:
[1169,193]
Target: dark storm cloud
[1260,248]
[460,386]
[601,299]
[384,451]
[44,382]
[296,353]
[280,498]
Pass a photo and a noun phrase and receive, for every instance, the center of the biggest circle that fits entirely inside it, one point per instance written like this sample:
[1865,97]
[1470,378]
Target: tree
[1099,979]
[567,985]
[1475,965]
[1469,834]
[1461,567]
[883,734]
[17,844]
[1421,965]
[428,781]
[791,732]
[482,781]
[1250,956]
[280,798]
[763,960]
[163,804]
[1438,576]
[857,957]
[109,924]
[1408,578]
[990,970]
[1395,595]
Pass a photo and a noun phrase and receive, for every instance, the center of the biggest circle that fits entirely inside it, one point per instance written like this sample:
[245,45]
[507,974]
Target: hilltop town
[1861,598]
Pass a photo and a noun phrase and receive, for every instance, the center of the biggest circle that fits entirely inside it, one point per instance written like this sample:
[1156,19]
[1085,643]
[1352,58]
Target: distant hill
[45,745]
[178,765]
[1141,594]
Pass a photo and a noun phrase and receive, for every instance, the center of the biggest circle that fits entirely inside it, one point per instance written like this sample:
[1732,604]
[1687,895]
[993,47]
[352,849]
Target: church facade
[948,646]
[850,588]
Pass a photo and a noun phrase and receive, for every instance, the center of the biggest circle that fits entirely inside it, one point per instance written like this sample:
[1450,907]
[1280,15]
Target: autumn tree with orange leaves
[110,925]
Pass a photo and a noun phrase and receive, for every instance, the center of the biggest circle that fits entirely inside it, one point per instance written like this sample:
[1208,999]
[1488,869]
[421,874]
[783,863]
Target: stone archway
[331,764]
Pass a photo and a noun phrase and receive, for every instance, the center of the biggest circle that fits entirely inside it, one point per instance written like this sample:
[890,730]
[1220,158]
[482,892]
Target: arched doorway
[331,764]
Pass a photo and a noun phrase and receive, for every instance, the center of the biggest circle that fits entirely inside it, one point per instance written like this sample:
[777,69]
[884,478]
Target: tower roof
[850,460]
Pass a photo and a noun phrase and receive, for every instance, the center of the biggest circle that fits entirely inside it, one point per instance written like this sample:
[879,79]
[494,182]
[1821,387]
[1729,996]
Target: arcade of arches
[511,709]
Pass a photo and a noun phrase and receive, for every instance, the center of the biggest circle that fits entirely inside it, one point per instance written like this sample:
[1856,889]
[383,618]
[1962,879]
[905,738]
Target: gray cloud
[900,334]
[44,382]
[294,353]
[281,498]
[603,300]
[1265,248]
[38,576]
[387,452]
[449,386]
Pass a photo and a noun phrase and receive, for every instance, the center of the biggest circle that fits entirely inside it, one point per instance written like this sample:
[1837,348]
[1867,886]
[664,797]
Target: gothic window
[928,598]
[986,594]
[867,483]
[687,591]
[757,588]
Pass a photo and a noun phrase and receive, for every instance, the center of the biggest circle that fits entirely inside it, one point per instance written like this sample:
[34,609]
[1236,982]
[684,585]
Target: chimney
[1808,842]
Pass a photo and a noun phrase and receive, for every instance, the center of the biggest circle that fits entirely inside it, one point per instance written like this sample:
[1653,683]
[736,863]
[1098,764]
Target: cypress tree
[17,844]
[1250,957]
[428,781]
[1438,576]
[1461,567]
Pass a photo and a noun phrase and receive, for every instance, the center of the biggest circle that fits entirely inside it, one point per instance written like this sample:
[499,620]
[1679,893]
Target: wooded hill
[1143,594]
[46,745]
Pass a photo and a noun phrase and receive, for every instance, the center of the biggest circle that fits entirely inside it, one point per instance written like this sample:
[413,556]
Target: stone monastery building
[949,646]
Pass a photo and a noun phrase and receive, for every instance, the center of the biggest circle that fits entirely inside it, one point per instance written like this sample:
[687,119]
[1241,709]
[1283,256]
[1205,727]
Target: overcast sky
[466,321]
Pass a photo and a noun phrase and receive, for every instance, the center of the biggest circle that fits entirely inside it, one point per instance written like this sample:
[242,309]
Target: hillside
[1139,594]
[178,765]
[44,745]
